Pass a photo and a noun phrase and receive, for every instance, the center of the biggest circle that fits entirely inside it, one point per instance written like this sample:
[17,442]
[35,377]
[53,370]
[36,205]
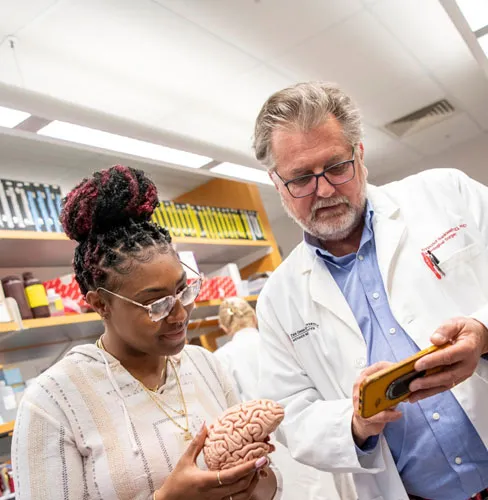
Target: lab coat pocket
[465,280]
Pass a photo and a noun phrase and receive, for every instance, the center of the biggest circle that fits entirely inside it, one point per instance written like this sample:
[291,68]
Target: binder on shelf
[218,220]
[245,223]
[13,203]
[172,224]
[228,227]
[230,222]
[164,214]
[202,221]
[7,217]
[194,221]
[238,222]
[214,233]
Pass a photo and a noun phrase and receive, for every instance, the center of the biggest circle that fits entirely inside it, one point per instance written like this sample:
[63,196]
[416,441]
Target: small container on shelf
[8,403]
[36,296]
[13,287]
[56,306]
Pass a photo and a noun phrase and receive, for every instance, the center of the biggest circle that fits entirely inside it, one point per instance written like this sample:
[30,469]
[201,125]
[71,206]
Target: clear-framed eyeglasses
[336,174]
[161,308]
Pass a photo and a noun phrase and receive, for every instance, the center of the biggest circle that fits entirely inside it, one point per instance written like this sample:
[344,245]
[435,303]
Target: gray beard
[330,233]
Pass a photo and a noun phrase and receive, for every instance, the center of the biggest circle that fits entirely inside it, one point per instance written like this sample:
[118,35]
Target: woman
[239,356]
[125,418]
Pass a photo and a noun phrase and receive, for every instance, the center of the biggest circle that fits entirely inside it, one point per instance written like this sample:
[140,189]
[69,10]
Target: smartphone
[388,387]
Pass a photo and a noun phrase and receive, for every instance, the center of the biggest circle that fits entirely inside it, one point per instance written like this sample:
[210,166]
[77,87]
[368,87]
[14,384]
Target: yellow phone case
[388,387]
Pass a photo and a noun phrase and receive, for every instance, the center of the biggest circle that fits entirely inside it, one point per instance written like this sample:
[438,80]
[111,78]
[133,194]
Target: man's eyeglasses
[336,174]
[161,308]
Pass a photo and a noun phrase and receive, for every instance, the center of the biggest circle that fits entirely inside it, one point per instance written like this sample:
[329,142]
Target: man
[362,290]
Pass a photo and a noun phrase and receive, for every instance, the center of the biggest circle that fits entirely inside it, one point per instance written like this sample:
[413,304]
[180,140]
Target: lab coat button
[376,295]
[436,416]
[393,331]
[458,460]
[360,362]
[360,257]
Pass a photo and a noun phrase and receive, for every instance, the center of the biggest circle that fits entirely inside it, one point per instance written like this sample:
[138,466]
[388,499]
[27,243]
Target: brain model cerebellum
[241,434]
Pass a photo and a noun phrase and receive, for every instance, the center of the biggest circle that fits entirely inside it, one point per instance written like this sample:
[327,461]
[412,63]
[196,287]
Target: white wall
[471,157]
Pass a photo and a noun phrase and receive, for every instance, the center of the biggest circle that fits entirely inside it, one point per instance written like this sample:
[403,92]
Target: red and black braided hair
[109,216]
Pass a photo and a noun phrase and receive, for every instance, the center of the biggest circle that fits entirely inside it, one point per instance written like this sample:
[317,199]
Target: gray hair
[306,106]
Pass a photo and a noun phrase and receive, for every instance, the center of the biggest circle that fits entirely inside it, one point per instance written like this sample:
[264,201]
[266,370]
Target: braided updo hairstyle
[109,216]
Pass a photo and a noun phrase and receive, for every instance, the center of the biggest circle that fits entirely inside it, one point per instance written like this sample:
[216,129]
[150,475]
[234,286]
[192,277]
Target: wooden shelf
[68,319]
[217,302]
[8,327]
[36,249]
[7,429]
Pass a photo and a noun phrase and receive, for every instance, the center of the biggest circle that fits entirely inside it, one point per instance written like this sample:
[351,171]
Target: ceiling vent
[422,118]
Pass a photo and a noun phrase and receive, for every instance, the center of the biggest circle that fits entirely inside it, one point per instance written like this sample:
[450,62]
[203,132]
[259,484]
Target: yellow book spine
[226,223]
[173,226]
[182,218]
[192,229]
[245,222]
[240,226]
[215,215]
[203,222]
[231,223]
[166,221]
[159,216]
[176,217]
[211,223]
[196,229]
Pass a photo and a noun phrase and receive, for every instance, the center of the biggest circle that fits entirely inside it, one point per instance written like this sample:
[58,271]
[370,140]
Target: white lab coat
[300,482]
[312,350]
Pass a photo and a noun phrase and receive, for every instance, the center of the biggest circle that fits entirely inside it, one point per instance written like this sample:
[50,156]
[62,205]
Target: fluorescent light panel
[483,41]
[121,144]
[475,12]
[242,172]
[10,118]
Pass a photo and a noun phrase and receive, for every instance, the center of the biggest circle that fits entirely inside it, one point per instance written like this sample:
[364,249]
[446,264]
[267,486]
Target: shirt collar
[313,243]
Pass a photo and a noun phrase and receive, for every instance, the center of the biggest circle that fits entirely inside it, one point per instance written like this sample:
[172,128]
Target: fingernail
[438,337]
[260,462]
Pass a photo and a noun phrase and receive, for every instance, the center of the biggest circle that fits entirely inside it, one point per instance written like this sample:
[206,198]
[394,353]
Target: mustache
[330,202]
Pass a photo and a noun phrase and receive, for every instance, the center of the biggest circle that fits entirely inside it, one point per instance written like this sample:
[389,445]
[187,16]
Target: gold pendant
[187,436]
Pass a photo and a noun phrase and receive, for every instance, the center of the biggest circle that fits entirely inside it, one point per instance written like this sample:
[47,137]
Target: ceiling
[197,71]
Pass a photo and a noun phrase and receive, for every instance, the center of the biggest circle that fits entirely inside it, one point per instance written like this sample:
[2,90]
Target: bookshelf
[48,253]
[40,332]
[34,250]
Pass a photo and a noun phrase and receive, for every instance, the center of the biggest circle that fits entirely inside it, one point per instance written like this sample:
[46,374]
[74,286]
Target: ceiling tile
[455,130]
[265,28]
[359,54]
[398,102]
[16,15]
[382,153]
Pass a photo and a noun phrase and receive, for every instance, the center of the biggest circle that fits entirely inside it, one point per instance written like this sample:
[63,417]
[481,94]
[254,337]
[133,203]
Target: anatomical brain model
[241,434]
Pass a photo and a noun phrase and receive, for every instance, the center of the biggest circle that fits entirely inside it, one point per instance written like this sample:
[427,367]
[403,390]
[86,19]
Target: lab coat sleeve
[475,196]
[316,432]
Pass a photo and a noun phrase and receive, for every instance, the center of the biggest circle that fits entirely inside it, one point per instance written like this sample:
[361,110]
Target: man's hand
[363,428]
[469,339]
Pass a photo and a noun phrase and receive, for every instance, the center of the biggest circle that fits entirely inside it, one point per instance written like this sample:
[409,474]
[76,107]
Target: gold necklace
[187,435]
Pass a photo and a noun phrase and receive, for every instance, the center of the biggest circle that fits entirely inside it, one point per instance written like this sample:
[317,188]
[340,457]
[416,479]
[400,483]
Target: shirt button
[376,295]
[360,257]
[393,331]
[436,416]
[458,460]
[360,362]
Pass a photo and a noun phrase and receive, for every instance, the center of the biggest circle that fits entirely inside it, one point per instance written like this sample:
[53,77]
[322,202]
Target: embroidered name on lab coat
[302,333]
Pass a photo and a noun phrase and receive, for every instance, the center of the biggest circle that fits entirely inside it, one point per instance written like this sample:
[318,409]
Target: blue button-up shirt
[437,451]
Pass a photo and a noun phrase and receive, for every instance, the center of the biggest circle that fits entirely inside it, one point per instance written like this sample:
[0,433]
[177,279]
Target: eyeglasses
[336,174]
[161,308]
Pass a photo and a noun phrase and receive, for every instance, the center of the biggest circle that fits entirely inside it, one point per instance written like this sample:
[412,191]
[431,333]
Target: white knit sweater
[87,429]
